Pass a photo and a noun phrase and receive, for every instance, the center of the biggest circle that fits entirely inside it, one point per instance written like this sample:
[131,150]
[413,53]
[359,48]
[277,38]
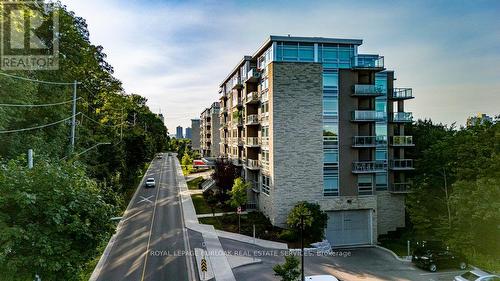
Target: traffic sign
[238,210]
[203,265]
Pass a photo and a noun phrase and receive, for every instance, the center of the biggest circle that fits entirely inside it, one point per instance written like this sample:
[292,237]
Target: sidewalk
[218,214]
[216,257]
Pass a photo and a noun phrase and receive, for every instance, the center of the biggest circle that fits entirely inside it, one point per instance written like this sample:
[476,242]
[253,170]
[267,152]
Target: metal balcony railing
[368,90]
[401,117]
[375,62]
[369,141]
[236,82]
[402,93]
[368,115]
[402,141]
[253,75]
[264,118]
[400,187]
[369,166]
[253,141]
[253,119]
[402,164]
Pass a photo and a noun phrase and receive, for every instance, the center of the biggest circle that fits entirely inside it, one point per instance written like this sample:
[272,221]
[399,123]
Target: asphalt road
[151,242]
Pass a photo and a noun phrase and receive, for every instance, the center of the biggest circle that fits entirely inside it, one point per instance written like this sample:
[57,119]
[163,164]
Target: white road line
[145,199]
[151,226]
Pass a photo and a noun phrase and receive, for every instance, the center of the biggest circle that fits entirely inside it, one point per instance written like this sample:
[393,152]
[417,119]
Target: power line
[97,122]
[38,127]
[38,81]
[36,105]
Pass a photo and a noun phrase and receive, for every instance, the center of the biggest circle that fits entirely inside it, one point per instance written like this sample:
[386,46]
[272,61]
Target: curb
[392,253]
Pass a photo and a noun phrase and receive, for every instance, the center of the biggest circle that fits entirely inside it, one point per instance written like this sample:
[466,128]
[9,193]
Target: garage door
[346,228]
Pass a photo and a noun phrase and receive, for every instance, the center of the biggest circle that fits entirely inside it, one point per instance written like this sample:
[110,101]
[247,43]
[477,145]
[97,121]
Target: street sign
[203,265]
[238,210]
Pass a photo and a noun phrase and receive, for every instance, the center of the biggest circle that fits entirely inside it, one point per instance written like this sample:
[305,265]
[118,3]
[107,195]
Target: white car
[321,278]
[150,182]
[477,275]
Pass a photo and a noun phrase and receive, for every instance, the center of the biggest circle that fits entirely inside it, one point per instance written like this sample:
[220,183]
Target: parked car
[477,275]
[321,278]
[433,255]
[150,182]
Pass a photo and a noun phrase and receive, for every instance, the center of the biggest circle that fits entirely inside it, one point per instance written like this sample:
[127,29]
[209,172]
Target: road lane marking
[151,226]
[145,199]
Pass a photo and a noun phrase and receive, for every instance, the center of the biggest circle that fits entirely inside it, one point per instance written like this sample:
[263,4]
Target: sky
[176,53]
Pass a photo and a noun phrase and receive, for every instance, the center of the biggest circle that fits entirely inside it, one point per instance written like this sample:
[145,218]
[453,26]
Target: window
[381,129]
[365,184]
[381,154]
[265,184]
[330,79]
[381,181]
[330,105]
[291,51]
[264,131]
[265,156]
[330,133]
[331,156]
[331,186]
[264,107]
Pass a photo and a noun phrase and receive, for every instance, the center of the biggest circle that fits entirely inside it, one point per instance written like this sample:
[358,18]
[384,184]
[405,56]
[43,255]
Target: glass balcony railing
[402,117]
[368,115]
[400,187]
[402,94]
[253,164]
[253,141]
[369,141]
[368,62]
[236,82]
[369,166]
[252,97]
[402,164]
[253,75]
[368,90]
[402,141]
[253,119]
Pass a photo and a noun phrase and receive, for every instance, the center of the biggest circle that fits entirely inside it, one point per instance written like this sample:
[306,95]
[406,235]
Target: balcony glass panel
[368,115]
[402,93]
[402,164]
[368,90]
[367,61]
[402,117]
[369,166]
[402,140]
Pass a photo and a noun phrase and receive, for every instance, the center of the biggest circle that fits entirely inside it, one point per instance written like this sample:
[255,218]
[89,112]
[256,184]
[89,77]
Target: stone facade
[296,137]
[195,134]
[390,210]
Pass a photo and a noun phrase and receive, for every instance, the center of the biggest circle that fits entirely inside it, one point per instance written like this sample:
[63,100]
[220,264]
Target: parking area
[370,264]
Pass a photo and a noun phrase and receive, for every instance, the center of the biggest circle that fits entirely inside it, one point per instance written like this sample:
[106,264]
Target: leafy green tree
[187,163]
[289,271]
[52,219]
[239,193]
[211,199]
[313,217]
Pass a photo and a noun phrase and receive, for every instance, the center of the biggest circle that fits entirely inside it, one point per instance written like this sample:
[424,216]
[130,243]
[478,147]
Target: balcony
[239,141]
[402,94]
[402,164]
[252,98]
[369,141]
[253,164]
[264,117]
[367,91]
[236,81]
[252,119]
[364,167]
[368,116]
[401,117]
[223,111]
[254,185]
[253,142]
[402,141]
[401,187]
[253,76]
[238,121]
[368,62]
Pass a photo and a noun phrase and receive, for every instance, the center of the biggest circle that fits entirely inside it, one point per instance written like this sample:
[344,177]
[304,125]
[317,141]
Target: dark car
[434,255]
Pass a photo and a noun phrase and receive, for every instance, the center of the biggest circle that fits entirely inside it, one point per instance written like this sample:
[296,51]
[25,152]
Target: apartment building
[310,118]
[178,133]
[195,134]
[209,131]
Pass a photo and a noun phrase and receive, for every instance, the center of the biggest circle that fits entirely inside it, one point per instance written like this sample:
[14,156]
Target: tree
[314,219]
[238,193]
[225,173]
[289,271]
[211,200]
[52,219]
[187,163]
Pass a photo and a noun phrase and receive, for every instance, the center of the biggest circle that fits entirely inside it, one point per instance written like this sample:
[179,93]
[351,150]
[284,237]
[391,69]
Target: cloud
[176,53]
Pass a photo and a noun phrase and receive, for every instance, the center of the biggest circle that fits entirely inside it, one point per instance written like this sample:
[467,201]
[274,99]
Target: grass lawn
[263,227]
[202,207]
[397,246]
[193,184]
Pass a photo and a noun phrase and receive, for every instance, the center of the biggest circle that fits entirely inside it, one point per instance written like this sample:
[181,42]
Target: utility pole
[302,246]
[30,158]
[73,118]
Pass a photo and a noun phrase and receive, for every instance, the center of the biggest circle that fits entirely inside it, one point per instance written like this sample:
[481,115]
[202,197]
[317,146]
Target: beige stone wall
[296,137]
[391,211]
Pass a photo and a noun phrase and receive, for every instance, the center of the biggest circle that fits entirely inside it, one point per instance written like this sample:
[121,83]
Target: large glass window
[289,51]
[330,79]
[381,181]
[365,184]
[330,105]
[330,133]
[331,185]
[266,183]
[331,156]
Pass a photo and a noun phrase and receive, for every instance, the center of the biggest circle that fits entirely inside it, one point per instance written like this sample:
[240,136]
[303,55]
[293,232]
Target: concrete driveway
[370,264]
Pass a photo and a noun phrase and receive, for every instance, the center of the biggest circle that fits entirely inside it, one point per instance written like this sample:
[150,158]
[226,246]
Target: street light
[302,216]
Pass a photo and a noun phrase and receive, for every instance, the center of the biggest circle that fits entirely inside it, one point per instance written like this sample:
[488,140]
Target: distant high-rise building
[178,133]
[195,134]
[188,133]
[479,119]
